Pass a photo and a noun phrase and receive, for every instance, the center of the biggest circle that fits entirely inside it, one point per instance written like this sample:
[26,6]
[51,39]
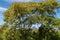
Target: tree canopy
[21,16]
[31,12]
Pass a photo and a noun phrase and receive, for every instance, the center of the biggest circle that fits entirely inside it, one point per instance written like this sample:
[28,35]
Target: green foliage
[21,16]
[57,23]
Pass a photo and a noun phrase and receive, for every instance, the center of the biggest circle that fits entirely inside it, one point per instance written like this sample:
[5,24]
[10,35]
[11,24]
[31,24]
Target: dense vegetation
[21,16]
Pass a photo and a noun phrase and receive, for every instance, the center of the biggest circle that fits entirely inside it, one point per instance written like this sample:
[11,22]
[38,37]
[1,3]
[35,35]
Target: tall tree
[24,15]
[30,13]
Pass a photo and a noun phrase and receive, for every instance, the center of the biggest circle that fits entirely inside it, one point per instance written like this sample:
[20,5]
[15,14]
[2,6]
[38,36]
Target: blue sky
[4,5]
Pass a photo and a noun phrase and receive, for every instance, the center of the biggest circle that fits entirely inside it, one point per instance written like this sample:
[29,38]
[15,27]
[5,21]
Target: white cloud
[18,0]
[2,9]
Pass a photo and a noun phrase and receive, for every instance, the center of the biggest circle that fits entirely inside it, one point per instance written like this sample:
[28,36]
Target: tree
[24,15]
